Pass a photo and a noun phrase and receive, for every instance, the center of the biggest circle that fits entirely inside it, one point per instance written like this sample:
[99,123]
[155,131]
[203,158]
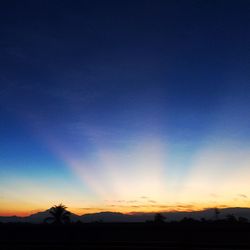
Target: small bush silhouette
[159,218]
[231,218]
[216,213]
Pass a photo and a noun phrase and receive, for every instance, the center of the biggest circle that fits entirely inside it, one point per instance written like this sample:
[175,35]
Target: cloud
[152,201]
[118,201]
[243,196]
[132,201]
[89,208]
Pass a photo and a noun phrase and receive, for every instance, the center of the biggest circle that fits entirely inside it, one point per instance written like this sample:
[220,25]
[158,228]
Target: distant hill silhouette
[136,217]
[33,218]
[115,217]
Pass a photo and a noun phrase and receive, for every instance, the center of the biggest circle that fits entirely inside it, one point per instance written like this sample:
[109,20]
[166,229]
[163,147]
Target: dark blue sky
[77,76]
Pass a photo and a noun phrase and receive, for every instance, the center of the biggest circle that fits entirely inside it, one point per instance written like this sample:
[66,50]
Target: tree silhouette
[59,215]
[216,213]
[242,220]
[231,218]
[159,218]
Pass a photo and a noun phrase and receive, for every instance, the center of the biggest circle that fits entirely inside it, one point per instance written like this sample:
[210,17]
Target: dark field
[125,236]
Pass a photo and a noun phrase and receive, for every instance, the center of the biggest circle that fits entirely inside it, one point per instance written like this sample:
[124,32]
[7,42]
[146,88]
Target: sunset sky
[127,106]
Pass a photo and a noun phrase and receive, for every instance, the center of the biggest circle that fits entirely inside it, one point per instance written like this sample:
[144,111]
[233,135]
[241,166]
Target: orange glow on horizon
[125,209]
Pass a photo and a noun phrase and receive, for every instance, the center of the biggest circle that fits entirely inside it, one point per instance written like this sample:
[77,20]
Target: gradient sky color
[124,105]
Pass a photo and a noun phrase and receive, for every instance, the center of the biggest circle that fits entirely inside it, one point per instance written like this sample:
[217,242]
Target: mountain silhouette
[135,217]
[33,218]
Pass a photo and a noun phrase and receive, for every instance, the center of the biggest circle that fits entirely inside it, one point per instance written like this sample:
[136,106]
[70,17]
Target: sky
[128,106]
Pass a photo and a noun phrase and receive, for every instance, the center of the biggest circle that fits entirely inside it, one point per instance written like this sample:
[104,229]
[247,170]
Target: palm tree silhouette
[59,215]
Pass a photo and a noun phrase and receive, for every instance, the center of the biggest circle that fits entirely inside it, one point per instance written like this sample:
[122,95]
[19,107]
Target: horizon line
[129,213]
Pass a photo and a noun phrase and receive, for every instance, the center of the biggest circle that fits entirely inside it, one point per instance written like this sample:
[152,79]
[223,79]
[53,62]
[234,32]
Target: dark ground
[126,236]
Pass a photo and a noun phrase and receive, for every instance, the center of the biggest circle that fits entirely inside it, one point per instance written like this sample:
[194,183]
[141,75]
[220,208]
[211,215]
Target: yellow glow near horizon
[137,179]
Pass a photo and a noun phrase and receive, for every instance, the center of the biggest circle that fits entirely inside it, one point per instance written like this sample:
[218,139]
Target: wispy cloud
[243,196]
[152,201]
[91,208]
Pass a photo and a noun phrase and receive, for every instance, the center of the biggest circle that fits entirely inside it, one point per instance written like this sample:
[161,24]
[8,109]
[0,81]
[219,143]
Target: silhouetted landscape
[208,214]
[58,228]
